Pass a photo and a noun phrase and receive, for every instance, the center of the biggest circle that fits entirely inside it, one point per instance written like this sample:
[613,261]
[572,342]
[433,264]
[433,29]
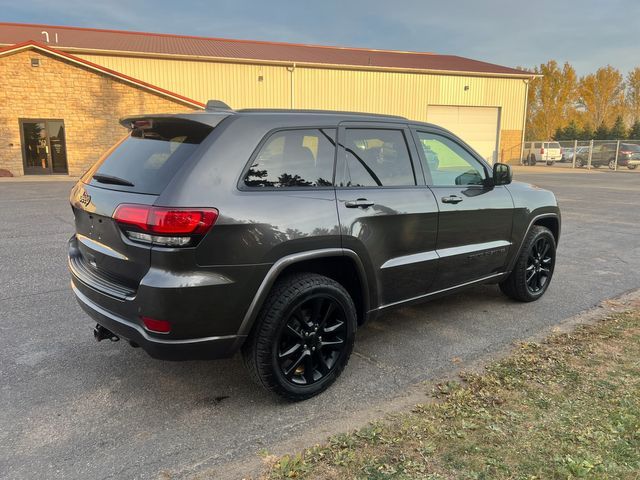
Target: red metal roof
[77,39]
[107,71]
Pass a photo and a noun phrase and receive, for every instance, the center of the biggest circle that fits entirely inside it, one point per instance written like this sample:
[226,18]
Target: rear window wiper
[111,179]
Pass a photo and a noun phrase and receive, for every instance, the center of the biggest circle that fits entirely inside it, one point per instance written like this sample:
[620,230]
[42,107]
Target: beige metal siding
[406,94]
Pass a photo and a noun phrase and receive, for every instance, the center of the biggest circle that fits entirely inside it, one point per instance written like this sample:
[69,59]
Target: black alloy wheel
[533,268]
[312,340]
[539,265]
[303,337]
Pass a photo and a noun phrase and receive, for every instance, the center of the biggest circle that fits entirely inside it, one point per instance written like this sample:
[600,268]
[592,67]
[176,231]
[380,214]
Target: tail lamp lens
[156,326]
[164,225]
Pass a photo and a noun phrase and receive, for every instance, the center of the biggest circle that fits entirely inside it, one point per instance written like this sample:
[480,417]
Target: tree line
[604,105]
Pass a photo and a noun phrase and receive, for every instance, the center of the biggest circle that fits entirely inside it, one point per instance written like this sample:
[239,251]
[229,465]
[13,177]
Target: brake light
[156,326]
[542,151]
[626,152]
[164,225]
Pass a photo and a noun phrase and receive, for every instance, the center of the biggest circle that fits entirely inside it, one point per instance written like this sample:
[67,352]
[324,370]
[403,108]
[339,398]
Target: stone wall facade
[510,146]
[89,102]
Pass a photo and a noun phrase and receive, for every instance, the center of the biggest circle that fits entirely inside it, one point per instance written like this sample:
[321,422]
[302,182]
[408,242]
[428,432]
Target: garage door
[478,126]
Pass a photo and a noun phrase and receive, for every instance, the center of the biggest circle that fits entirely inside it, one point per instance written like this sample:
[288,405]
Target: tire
[632,167]
[612,164]
[284,354]
[579,162]
[532,159]
[517,285]
[550,163]
[595,165]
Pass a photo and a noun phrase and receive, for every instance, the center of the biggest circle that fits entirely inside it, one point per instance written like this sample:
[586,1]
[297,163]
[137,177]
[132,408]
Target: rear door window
[375,158]
[294,158]
[146,160]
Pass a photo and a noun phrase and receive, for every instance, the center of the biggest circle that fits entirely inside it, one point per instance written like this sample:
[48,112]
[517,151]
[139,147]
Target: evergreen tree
[571,131]
[634,133]
[587,133]
[559,135]
[601,133]
[618,131]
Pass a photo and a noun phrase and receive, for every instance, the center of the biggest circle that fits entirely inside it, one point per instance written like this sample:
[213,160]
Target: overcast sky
[586,33]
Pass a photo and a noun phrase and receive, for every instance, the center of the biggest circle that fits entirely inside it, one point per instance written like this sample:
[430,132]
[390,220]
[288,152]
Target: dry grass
[568,407]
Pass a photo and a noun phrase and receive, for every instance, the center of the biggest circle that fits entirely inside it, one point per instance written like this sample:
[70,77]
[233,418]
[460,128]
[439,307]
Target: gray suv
[278,233]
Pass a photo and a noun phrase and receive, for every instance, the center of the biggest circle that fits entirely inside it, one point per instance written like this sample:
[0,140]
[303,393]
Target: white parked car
[535,152]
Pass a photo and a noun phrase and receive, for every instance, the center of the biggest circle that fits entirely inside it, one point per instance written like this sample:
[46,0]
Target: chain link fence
[588,154]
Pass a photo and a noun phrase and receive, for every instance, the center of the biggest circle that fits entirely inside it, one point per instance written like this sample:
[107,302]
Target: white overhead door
[478,126]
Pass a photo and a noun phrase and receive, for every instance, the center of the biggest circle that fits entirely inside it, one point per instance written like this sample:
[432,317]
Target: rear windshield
[552,145]
[148,158]
[630,147]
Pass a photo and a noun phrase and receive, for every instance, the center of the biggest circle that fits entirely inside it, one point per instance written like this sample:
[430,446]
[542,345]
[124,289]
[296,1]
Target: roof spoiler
[215,105]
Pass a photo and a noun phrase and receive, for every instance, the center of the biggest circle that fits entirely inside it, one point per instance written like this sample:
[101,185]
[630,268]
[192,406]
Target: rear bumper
[165,349]
[204,305]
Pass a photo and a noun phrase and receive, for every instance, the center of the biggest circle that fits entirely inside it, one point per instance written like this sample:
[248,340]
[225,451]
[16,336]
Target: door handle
[359,203]
[451,199]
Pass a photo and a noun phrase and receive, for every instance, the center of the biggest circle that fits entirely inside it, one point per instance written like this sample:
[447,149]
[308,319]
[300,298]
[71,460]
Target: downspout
[524,117]
[291,69]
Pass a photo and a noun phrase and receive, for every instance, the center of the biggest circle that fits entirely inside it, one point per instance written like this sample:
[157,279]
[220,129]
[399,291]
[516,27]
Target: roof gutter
[287,63]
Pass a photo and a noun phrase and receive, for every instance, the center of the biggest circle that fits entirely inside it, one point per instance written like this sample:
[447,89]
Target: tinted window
[376,158]
[448,163]
[294,158]
[150,156]
[537,145]
[552,145]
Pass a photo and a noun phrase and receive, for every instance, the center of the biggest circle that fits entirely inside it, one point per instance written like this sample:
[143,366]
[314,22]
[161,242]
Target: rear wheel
[579,162]
[532,159]
[612,164]
[534,267]
[632,167]
[303,337]
[550,163]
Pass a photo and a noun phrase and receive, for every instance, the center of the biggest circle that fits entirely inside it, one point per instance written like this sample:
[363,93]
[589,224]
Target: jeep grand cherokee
[278,233]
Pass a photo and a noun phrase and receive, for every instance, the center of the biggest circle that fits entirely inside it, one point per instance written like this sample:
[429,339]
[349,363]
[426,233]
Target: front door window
[44,147]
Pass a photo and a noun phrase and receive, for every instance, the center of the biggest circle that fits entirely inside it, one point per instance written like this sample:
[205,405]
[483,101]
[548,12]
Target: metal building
[482,102]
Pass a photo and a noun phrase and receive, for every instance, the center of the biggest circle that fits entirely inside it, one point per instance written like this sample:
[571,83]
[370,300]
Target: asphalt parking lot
[71,408]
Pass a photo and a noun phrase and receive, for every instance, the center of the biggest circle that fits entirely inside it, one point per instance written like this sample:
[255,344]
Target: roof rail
[217,105]
[328,112]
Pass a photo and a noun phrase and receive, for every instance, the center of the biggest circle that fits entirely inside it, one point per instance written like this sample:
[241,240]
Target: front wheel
[303,337]
[579,162]
[632,167]
[534,267]
[532,159]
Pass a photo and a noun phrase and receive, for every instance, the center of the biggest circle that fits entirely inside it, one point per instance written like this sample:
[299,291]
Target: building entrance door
[43,147]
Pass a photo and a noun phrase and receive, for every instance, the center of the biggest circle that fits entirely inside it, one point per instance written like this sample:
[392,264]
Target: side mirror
[502,174]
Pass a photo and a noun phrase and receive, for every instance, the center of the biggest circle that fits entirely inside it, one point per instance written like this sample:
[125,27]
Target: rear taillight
[165,226]
[542,151]
[626,152]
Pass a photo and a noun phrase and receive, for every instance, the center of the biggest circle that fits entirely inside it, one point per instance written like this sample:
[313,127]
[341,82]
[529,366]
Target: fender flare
[278,267]
[524,236]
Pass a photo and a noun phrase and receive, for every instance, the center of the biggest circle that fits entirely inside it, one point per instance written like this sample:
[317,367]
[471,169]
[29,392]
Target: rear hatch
[552,150]
[135,171]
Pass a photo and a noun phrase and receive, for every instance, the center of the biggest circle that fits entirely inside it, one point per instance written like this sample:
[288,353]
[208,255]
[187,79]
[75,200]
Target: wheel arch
[550,220]
[342,265]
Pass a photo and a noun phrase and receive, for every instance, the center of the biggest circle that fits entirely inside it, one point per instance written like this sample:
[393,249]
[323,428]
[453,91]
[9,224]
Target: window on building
[294,158]
[376,158]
